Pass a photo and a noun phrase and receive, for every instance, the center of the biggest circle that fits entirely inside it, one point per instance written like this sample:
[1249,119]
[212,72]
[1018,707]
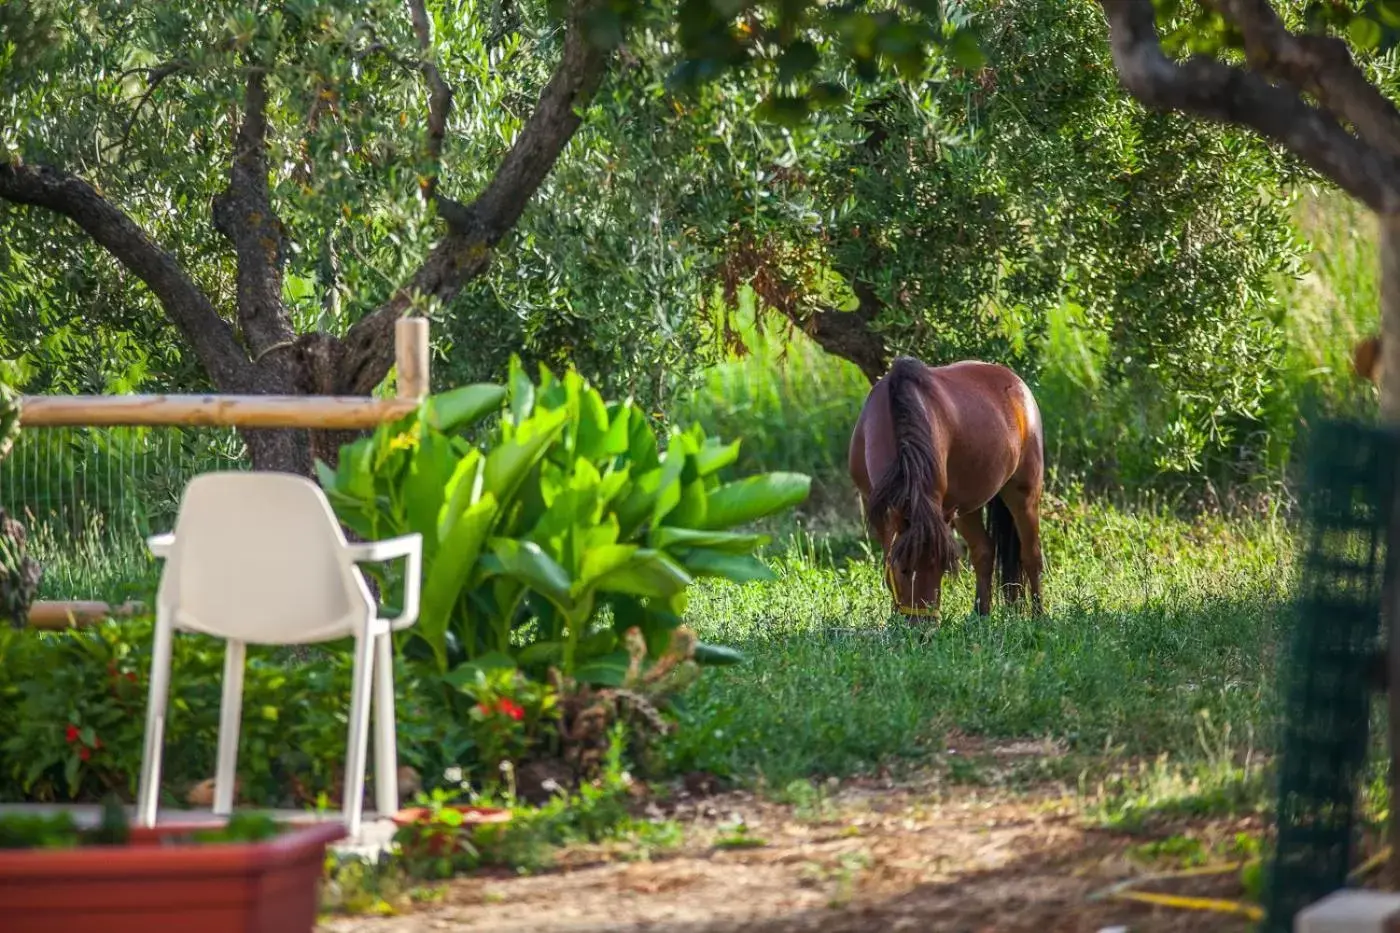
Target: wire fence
[90,496]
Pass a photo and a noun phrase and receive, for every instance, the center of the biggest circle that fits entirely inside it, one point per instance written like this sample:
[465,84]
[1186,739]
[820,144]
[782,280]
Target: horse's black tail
[1006,548]
[907,485]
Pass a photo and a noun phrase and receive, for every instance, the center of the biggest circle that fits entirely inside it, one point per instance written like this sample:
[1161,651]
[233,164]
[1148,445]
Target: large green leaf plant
[567,526]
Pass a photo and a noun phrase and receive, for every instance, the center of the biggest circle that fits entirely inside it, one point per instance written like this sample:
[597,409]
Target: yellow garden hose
[1122,891]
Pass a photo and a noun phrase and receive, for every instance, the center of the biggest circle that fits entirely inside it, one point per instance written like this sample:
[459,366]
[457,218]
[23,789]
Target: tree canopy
[275,183]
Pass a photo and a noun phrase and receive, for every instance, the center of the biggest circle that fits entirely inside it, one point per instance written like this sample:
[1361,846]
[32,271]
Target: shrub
[567,529]
[73,715]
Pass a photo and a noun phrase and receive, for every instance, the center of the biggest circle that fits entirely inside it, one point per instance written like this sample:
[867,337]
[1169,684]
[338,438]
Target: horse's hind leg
[979,546]
[1022,498]
[1025,512]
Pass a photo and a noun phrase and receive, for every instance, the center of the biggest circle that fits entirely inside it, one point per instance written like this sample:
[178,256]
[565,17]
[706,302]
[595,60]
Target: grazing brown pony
[934,448]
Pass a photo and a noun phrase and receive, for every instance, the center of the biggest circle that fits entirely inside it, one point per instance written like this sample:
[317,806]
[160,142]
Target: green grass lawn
[1153,622]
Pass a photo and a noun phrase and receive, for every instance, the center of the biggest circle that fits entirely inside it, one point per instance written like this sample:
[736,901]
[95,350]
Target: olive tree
[286,179]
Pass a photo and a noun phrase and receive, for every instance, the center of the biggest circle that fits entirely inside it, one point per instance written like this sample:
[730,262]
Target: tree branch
[1210,88]
[1320,65]
[465,252]
[848,334]
[439,109]
[188,308]
[154,77]
[243,213]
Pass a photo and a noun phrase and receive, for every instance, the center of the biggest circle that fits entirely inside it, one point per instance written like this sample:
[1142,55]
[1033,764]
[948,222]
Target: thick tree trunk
[312,366]
[1390,412]
[281,372]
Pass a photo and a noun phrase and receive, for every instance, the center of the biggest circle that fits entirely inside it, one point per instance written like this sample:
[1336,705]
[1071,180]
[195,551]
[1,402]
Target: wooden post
[411,357]
[1390,413]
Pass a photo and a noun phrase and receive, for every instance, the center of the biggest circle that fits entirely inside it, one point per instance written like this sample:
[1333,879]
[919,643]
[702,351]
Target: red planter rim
[144,854]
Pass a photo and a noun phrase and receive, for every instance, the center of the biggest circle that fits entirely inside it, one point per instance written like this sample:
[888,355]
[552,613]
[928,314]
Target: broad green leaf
[756,497]
[612,484]
[714,457]
[429,471]
[463,490]
[619,425]
[510,461]
[737,568]
[451,570]
[717,655]
[607,671]
[527,562]
[458,408]
[551,392]
[603,560]
[642,448]
[647,573]
[667,537]
[326,476]
[690,510]
[522,391]
[592,425]
[639,501]
[668,490]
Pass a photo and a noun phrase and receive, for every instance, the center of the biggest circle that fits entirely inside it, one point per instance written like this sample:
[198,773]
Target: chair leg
[357,747]
[386,764]
[148,790]
[230,716]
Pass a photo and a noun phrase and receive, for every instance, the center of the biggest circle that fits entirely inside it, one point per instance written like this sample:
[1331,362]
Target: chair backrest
[259,557]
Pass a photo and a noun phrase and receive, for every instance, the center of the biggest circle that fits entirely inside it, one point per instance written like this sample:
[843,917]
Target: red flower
[71,734]
[131,676]
[505,706]
[84,753]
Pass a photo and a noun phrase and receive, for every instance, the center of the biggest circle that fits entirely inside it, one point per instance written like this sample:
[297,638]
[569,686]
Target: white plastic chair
[259,558]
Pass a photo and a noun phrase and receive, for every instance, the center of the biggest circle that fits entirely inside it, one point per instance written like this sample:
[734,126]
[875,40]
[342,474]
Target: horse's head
[914,569]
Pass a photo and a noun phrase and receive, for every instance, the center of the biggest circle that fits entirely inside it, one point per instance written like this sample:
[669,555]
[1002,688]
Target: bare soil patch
[869,856]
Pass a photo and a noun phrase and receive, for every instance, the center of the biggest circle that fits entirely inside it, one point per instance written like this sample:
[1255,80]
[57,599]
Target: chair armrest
[160,545]
[388,549]
[407,546]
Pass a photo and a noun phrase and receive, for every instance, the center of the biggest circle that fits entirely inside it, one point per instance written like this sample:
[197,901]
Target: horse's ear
[1365,357]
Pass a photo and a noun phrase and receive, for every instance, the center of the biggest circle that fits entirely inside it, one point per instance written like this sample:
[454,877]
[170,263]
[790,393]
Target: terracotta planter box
[151,886]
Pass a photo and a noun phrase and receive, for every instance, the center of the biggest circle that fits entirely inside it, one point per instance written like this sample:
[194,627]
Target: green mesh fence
[1348,493]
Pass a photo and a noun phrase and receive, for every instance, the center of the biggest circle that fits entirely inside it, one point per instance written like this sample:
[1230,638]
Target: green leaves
[566,508]
[756,497]
[461,407]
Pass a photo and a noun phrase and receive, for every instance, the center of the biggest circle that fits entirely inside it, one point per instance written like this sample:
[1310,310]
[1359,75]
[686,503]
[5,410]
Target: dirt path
[870,858]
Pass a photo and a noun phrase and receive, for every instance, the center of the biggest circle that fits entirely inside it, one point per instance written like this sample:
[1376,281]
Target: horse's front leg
[979,546]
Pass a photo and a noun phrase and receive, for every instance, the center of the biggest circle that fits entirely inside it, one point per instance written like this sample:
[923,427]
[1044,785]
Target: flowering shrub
[509,717]
[73,717]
